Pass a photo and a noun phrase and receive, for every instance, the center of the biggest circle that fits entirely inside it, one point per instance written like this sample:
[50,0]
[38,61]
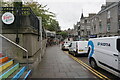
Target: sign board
[8,18]
[92,36]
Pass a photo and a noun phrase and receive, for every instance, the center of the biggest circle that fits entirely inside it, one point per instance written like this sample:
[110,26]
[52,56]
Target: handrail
[17,46]
[14,43]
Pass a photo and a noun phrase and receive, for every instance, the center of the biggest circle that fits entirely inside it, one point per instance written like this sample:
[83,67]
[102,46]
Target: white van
[65,46]
[105,53]
[78,47]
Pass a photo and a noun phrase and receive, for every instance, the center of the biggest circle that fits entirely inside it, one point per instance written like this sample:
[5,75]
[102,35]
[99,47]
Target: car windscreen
[118,44]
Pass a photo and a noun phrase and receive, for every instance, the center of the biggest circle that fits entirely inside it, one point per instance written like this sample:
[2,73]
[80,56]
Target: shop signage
[8,18]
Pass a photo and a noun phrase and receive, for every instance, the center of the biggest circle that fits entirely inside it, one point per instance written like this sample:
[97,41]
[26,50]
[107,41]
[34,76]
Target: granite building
[107,21]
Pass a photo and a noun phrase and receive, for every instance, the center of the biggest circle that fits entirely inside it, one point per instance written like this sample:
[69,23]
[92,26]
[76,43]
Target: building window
[94,28]
[78,32]
[82,21]
[88,21]
[88,32]
[108,27]
[119,21]
[100,26]
[82,33]
[85,21]
[92,20]
[108,21]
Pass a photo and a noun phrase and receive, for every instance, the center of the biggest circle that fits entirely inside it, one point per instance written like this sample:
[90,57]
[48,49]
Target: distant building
[94,23]
[84,26]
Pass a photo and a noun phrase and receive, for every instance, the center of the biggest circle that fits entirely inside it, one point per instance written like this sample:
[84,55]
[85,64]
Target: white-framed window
[108,27]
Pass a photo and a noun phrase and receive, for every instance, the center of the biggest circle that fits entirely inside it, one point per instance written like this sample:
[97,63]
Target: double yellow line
[98,74]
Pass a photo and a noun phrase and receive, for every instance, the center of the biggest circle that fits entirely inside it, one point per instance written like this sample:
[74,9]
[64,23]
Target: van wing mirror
[70,45]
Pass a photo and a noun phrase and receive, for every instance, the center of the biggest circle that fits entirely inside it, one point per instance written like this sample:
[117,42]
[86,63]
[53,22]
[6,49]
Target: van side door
[106,54]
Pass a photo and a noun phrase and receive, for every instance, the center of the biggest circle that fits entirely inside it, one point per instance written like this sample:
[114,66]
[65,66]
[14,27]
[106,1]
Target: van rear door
[82,46]
[118,48]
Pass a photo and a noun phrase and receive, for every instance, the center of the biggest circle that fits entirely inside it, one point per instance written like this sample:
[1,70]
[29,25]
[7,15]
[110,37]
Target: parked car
[66,45]
[78,47]
[105,53]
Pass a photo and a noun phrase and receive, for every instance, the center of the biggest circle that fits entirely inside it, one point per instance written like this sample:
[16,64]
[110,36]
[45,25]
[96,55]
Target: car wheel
[93,64]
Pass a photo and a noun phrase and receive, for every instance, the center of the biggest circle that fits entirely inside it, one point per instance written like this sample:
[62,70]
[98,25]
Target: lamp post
[17,6]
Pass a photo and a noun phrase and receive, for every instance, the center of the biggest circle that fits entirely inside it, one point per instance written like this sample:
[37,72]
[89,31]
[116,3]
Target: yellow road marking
[98,74]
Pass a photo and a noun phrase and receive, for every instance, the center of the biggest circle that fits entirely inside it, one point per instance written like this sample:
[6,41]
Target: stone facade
[105,23]
[84,26]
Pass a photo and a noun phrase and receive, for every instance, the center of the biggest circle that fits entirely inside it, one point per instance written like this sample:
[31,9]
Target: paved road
[57,64]
[104,72]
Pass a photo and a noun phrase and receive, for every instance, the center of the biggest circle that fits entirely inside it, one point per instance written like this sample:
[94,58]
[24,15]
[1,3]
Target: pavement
[57,64]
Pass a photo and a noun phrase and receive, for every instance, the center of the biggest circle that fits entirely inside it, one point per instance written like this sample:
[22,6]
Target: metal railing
[26,51]
[24,17]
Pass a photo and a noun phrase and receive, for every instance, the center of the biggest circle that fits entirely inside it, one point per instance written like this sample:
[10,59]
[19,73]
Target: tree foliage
[17,4]
[63,33]
[48,20]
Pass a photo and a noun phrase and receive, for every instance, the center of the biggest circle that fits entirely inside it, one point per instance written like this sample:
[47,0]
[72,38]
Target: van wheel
[69,52]
[86,54]
[75,54]
[93,64]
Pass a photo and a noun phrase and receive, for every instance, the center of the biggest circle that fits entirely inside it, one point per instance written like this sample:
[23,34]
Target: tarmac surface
[57,64]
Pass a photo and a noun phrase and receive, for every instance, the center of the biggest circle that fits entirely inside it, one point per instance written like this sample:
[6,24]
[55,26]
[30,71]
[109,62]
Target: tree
[47,17]
[64,34]
[53,25]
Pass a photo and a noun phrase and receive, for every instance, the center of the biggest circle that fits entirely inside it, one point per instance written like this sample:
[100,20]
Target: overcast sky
[68,12]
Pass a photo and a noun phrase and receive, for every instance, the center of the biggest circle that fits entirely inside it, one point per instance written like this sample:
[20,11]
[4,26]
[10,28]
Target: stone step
[26,74]
[20,73]
[9,72]
[13,74]
[6,65]
[7,69]
[3,59]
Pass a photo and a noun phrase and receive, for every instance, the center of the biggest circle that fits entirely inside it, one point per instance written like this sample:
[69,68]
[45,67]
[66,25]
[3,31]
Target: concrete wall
[29,41]
[28,38]
[11,50]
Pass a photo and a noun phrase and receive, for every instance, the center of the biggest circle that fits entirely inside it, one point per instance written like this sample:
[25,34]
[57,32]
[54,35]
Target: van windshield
[67,44]
[118,44]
